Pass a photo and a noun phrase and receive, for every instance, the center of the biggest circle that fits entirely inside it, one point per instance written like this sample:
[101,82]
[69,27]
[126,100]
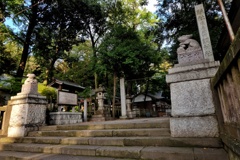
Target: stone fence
[5,116]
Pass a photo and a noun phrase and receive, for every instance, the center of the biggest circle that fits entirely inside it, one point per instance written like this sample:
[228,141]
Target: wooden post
[227,22]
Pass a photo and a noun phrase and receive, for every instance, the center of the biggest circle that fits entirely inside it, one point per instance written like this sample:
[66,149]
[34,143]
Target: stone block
[167,153]
[210,153]
[194,127]
[107,141]
[27,99]
[193,74]
[120,152]
[192,98]
[75,150]
[192,56]
[191,66]
[59,118]
[26,114]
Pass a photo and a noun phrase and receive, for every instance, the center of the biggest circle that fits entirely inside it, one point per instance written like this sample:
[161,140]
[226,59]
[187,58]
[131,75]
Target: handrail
[3,108]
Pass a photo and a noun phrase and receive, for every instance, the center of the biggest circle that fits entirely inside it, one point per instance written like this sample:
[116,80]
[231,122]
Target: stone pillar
[204,33]
[129,110]
[85,110]
[123,99]
[193,111]
[28,109]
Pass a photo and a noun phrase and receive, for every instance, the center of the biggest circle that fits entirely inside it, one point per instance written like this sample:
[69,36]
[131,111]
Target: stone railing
[2,112]
[226,84]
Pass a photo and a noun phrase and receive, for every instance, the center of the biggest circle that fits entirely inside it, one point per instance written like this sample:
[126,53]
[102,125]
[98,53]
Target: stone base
[190,87]
[60,118]
[101,115]
[28,114]
[135,113]
[194,127]
[97,118]
[192,72]
[130,114]
[123,117]
[192,98]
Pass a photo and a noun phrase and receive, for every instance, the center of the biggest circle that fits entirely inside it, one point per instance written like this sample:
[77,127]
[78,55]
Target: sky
[151,6]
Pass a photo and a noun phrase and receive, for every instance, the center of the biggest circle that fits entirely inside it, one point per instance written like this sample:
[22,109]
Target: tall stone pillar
[204,33]
[85,110]
[123,99]
[28,109]
[193,111]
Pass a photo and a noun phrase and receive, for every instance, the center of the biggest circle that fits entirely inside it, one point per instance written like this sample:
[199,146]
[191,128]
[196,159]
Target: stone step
[136,152]
[121,141]
[11,155]
[124,124]
[104,133]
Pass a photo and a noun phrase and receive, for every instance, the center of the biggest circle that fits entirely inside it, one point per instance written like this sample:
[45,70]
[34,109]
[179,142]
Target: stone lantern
[101,114]
[100,98]
[129,103]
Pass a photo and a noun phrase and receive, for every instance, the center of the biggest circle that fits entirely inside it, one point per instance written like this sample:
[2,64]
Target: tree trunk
[26,45]
[96,80]
[50,73]
[146,91]
[114,93]
[129,87]
[184,5]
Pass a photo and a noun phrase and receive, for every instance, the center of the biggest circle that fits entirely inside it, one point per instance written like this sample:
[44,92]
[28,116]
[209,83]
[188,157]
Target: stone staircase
[147,139]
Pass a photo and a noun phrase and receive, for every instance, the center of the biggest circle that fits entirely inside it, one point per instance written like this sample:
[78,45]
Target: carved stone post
[193,110]
[28,109]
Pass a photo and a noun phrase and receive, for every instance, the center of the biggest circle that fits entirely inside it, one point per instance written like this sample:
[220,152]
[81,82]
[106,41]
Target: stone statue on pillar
[28,109]
[189,50]
[193,110]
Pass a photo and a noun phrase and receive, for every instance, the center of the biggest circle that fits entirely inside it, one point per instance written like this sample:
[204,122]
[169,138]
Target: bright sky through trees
[151,6]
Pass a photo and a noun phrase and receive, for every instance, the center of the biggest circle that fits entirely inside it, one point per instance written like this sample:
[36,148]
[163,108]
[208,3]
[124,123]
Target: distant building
[151,105]
[67,94]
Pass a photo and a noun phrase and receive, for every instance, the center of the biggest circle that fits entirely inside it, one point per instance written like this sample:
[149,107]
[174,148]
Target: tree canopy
[125,53]
[90,41]
[178,18]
